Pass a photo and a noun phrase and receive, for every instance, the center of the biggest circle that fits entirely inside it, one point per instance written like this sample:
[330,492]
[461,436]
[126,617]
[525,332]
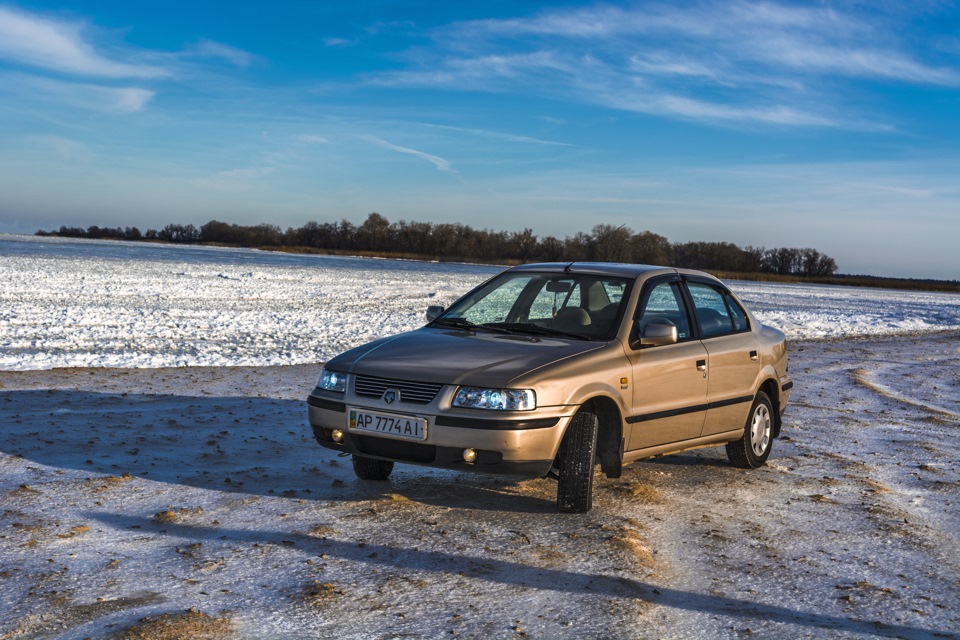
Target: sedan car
[550,369]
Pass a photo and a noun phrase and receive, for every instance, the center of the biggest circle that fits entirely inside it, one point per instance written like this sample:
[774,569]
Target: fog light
[470,455]
[337,436]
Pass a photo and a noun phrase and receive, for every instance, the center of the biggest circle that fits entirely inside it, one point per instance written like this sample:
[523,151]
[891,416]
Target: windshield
[586,307]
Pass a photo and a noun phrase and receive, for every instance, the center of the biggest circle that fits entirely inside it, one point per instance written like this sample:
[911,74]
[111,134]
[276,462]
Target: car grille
[414,392]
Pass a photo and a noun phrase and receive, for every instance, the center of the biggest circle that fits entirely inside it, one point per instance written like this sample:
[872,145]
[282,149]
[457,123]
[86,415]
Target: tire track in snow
[868,380]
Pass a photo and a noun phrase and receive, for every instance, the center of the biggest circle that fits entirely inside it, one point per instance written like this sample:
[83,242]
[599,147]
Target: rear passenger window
[739,316]
[717,312]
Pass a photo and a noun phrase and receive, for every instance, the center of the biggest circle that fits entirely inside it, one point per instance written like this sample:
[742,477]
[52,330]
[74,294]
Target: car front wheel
[753,449]
[371,468]
[575,462]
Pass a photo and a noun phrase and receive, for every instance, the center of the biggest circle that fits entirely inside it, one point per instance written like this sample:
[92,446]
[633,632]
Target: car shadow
[250,445]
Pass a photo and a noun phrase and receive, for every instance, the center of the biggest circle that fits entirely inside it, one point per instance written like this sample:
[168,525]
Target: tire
[371,468]
[575,463]
[753,449]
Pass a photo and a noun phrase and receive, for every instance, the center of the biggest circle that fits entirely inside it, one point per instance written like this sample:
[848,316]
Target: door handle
[701,365]
[753,355]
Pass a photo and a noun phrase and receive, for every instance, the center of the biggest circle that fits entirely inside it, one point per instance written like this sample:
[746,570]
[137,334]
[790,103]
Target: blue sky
[830,125]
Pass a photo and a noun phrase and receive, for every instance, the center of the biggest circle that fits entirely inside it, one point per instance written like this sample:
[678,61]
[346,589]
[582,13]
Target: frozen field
[107,304]
[147,502]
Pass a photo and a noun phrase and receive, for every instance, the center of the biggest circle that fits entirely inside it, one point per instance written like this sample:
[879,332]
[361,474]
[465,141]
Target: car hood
[458,357]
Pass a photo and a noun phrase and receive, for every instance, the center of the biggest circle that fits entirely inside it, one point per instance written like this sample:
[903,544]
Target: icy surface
[110,304]
[813,311]
[135,493]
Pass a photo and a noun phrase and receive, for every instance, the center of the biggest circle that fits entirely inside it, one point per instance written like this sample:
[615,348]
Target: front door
[669,381]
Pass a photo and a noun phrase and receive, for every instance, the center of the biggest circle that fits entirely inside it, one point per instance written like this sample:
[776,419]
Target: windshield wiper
[537,330]
[463,323]
[458,323]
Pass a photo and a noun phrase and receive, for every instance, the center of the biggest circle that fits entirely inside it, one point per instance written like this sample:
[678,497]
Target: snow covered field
[140,502]
[107,304]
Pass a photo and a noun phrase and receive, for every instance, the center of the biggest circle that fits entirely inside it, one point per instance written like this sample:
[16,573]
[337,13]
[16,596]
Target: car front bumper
[517,443]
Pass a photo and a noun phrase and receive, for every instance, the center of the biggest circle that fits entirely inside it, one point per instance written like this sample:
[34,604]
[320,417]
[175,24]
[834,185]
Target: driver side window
[664,305]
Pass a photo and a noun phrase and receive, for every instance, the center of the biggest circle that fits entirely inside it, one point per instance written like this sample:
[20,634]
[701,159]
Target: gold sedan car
[549,369]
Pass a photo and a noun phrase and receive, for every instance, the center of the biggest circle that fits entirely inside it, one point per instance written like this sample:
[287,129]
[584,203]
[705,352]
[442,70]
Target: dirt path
[139,503]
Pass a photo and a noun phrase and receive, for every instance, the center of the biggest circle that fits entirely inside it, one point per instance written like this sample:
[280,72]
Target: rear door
[732,356]
[669,382]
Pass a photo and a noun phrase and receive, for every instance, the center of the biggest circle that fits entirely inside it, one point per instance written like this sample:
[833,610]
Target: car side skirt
[685,445]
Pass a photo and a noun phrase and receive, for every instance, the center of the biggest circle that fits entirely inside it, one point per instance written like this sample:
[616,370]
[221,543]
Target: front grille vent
[413,392]
[396,449]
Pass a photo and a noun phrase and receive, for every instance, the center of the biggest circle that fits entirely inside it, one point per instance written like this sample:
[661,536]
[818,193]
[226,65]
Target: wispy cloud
[87,96]
[61,46]
[236,57]
[693,109]
[487,72]
[78,64]
[233,178]
[723,62]
[440,163]
[311,138]
[64,148]
[339,42]
[497,135]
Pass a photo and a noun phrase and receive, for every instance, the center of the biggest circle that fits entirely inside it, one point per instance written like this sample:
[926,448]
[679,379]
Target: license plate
[388,424]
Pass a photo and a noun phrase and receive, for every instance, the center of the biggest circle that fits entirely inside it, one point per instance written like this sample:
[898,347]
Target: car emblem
[390,396]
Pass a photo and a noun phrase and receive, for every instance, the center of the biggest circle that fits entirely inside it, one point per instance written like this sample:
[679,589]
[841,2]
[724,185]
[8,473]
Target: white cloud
[662,63]
[809,55]
[90,96]
[440,163]
[722,62]
[312,139]
[487,72]
[599,22]
[509,137]
[236,57]
[233,178]
[63,148]
[61,46]
[126,100]
[338,42]
[693,109]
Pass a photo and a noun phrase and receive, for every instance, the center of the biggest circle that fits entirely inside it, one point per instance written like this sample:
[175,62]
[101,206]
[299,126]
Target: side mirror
[433,312]
[657,334]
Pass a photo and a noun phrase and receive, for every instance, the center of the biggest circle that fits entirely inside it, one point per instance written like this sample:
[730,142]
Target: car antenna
[566,269]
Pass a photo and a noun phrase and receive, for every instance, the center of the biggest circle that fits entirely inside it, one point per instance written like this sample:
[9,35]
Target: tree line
[455,241]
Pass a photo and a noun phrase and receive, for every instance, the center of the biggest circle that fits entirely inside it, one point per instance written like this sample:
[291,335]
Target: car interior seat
[571,318]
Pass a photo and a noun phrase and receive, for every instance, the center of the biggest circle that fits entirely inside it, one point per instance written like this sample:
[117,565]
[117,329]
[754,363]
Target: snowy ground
[192,501]
[128,494]
[70,303]
[97,304]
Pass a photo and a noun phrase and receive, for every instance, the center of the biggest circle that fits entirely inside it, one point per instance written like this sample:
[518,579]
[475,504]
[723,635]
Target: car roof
[603,269]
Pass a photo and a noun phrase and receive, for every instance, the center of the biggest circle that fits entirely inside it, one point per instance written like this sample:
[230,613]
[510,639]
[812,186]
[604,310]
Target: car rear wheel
[753,449]
[575,462]
[371,468]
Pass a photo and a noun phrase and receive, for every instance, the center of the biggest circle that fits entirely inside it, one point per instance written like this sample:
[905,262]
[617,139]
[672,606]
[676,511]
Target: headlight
[332,381]
[496,399]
